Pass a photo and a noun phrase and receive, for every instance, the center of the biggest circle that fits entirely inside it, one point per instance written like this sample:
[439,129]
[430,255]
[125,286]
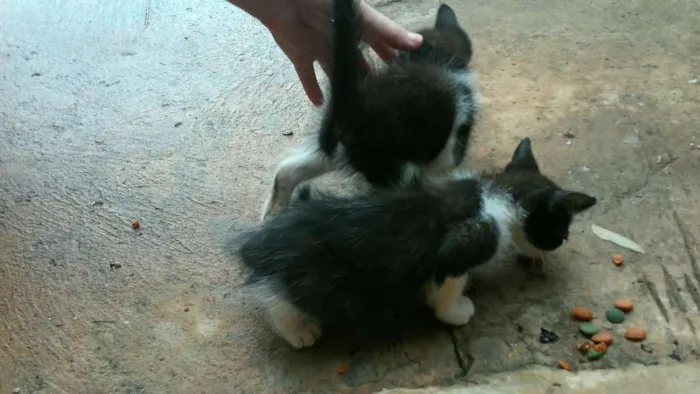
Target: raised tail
[346,63]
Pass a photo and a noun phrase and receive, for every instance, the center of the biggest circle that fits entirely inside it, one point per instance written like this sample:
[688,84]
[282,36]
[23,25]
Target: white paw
[459,313]
[300,333]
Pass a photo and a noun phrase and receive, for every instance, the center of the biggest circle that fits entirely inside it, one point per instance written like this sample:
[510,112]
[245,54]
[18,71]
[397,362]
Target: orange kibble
[600,348]
[636,334]
[135,224]
[564,365]
[584,347]
[187,308]
[624,304]
[582,314]
[343,369]
[618,259]
[603,337]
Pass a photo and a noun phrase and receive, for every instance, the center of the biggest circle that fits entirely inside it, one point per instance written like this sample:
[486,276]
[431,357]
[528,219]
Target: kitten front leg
[297,328]
[448,302]
[307,163]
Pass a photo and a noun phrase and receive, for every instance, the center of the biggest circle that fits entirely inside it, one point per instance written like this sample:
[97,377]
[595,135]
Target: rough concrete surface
[173,113]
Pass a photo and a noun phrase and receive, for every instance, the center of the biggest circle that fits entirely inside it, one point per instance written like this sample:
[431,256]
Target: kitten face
[550,208]
[446,43]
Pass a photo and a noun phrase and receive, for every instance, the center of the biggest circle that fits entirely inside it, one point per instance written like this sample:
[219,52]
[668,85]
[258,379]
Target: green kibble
[593,355]
[615,315]
[588,329]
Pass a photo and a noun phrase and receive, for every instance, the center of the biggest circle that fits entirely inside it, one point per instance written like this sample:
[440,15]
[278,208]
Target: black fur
[360,262]
[403,113]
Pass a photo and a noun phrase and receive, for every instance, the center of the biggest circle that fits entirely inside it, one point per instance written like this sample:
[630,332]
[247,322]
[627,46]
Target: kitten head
[549,208]
[446,43]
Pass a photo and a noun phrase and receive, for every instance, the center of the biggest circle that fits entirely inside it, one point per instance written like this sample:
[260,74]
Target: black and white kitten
[361,262]
[393,126]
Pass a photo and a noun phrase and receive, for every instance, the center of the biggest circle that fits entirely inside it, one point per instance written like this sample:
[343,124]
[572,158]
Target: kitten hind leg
[448,302]
[305,164]
[297,328]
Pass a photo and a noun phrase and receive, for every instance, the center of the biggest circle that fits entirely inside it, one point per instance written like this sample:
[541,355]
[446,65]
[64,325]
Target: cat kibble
[624,305]
[636,334]
[593,355]
[615,315]
[603,337]
[564,365]
[582,314]
[618,259]
[588,329]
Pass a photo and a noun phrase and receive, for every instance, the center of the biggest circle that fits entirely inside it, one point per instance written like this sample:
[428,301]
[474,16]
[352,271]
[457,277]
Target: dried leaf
[616,238]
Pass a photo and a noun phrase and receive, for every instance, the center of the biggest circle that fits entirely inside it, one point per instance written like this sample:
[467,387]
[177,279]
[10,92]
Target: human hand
[303,29]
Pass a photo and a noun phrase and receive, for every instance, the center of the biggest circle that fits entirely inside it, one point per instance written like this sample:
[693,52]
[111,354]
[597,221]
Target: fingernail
[414,39]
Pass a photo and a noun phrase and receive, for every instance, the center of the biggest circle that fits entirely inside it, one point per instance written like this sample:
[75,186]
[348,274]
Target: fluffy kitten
[364,262]
[393,126]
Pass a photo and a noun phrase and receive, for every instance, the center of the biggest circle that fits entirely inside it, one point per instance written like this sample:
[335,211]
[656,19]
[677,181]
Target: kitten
[393,126]
[363,262]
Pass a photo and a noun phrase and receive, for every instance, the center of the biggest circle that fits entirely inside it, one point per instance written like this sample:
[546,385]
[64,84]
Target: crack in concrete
[467,365]
[655,295]
[693,290]
[672,291]
[686,243]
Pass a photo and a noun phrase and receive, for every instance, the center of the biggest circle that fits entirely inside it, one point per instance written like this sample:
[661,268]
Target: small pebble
[187,308]
[603,337]
[582,314]
[624,304]
[16,390]
[547,336]
[615,315]
[588,329]
[635,334]
[135,224]
[674,355]
[647,348]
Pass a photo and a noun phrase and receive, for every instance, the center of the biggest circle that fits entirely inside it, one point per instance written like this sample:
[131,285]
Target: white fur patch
[464,106]
[304,163]
[499,207]
[297,328]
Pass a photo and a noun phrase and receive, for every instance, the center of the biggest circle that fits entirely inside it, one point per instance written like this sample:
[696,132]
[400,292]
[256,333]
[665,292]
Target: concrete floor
[173,113]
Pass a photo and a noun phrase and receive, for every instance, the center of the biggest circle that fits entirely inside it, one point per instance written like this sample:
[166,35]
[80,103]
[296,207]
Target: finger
[307,76]
[379,28]
[384,51]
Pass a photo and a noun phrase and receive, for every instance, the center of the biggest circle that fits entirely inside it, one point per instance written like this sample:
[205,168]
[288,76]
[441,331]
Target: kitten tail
[346,60]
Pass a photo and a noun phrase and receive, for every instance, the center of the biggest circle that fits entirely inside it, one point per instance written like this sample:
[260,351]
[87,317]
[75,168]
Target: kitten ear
[523,158]
[573,202]
[446,17]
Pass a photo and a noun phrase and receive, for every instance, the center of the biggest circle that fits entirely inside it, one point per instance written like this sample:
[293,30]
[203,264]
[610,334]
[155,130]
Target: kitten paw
[300,334]
[459,313]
